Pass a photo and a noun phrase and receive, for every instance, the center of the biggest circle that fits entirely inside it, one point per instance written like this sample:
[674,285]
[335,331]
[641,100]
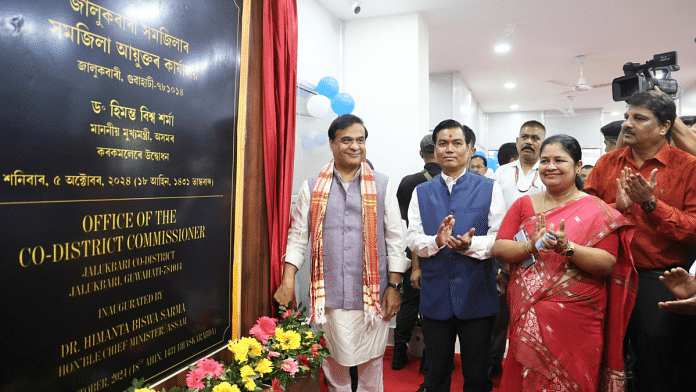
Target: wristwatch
[569,250]
[396,286]
[649,206]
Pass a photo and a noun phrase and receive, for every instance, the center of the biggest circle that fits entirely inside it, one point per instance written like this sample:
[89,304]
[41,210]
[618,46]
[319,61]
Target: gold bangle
[526,247]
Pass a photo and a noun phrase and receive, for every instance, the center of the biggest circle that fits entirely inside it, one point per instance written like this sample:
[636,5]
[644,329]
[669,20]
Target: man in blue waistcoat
[453,222]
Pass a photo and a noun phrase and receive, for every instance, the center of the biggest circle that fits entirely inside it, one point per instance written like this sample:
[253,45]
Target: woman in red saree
[570,299]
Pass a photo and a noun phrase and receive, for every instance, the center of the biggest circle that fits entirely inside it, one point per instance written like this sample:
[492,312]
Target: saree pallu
[568,335]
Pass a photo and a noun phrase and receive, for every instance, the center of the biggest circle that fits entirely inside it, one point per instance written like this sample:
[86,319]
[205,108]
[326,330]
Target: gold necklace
[543,200]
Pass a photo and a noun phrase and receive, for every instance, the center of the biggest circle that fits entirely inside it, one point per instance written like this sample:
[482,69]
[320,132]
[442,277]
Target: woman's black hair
[569,145]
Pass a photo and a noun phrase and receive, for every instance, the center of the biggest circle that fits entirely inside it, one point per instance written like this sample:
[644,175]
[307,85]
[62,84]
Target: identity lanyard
[517,176]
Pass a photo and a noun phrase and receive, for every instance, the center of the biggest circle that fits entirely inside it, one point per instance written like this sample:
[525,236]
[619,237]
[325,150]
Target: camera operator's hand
[682,136]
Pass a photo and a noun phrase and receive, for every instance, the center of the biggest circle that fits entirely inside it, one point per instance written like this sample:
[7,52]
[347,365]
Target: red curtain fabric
[279,80]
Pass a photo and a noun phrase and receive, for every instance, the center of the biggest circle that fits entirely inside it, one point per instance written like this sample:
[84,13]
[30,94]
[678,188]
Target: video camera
[624,86]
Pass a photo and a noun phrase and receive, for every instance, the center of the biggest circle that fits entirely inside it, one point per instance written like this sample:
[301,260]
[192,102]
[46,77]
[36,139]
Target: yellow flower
[254,345]
[265,366]
[240,350]
[250,385]
[225,387]
[244,347]
[246,371]
[289,340]
[145,390]
[309,335]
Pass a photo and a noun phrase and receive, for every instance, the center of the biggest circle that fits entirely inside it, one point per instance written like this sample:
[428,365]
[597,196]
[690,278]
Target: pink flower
[211,367]
[264,328]
[303,360]
[194,378]
[290,366]
[315,349]
[273,354]
[287,313]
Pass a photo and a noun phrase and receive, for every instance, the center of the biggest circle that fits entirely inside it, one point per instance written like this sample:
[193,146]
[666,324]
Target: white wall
[451,98]
[686,105]
[319,42]
[584,126]
[385,73]
[505,127]
[441,106]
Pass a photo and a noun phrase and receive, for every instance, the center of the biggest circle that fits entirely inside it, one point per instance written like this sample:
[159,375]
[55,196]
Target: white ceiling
[548,35]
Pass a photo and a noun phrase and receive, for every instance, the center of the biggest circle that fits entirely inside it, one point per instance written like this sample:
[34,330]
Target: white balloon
[318,106]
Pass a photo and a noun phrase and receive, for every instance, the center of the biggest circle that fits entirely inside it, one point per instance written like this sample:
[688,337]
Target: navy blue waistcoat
[453,284]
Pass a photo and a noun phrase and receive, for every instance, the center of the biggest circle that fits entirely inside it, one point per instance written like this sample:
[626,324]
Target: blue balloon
[492,163]
[320,139]
[342,104]
[328,87]
[307,142]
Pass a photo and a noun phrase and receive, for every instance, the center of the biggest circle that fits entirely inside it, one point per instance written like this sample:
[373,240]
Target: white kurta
[350,338]
[526,184]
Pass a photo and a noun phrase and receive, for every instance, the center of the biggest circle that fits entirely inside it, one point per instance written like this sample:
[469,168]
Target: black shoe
[400,358]
[496,370]
[423,366]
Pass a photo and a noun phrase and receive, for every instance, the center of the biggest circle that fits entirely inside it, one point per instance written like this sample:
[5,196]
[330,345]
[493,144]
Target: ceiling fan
[570,112]
[582,84]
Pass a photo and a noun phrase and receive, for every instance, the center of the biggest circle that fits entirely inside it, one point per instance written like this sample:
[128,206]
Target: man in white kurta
[356,327]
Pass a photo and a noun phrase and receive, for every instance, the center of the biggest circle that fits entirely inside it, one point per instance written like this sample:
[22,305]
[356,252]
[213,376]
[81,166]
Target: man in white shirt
[453,221]
[357,257]
[517,178]
[521,177]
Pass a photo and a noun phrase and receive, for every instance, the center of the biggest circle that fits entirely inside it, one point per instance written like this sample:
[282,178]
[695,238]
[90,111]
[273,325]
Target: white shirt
[481,246]
[530,183]
[298,236]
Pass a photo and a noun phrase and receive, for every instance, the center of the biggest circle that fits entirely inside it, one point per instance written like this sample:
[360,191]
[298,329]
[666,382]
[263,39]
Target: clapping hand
[444,236]
[539,232]
[636,187]
[623,201]
[560,243]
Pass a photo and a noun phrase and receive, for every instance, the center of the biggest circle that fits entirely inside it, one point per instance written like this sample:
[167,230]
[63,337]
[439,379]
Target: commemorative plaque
[117,161]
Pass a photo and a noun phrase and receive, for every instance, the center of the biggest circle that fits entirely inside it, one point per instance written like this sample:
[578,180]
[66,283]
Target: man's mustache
[530,148]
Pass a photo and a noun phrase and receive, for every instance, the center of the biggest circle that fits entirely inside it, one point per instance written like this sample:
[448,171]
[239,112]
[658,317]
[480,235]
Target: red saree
[568,335]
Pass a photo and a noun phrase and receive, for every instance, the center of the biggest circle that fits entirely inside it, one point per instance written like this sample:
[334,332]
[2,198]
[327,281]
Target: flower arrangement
[278,352]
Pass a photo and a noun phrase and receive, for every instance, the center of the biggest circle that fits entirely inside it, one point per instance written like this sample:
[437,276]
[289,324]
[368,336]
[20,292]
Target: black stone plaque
[117,160]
